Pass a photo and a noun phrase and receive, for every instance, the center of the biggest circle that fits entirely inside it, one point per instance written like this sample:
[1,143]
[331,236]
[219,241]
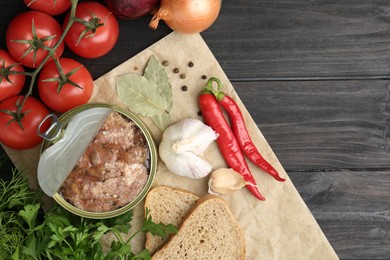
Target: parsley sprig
[29,232]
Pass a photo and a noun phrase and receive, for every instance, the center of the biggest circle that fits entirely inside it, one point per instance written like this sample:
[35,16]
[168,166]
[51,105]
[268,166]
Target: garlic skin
[182,144]
[225,181]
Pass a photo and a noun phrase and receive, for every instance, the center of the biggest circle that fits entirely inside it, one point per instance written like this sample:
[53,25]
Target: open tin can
[73,171]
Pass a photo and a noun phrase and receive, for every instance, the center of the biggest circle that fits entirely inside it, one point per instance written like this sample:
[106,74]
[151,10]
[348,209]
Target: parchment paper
[282,227]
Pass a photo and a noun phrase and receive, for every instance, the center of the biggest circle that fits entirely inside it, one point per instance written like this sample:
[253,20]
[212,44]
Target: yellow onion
[187,16]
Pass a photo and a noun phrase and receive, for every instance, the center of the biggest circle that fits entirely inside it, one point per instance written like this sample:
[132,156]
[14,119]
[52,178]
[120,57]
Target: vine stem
[51,54]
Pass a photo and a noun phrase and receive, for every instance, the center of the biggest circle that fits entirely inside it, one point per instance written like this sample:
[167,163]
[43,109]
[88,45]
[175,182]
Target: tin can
[55,132]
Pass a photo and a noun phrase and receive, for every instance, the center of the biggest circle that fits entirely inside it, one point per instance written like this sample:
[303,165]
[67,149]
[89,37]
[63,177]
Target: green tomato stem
[51,54]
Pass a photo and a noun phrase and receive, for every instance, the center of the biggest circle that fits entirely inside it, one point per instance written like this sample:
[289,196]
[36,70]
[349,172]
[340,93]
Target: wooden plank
[302,39]
[292,39]
[352,208]
[322,124]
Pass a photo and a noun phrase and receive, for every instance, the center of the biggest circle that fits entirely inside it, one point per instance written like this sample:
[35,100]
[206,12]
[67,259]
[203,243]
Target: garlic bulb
[225,181]
[181,146]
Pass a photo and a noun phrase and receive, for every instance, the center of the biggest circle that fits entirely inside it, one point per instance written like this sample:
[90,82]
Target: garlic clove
[225,181]
[196,136]
[189,165]
[181,145]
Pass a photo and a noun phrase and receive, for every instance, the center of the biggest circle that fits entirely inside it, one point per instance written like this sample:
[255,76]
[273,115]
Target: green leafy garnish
[13,195]
[157,229]
[28,232]
[149,95]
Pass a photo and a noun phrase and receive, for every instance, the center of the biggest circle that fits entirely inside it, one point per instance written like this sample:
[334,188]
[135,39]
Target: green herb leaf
[121,250]
[149,95]
[30,213]
[120,223]
[161,120]
[30,247]
[100,232]
[155,72]
[157,229]
[144,254]
[140,95]
[15,193]
[58,234]
[15,254]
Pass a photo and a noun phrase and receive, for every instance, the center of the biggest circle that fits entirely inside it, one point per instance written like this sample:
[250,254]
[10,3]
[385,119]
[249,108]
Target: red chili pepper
[227,142]
[240,130]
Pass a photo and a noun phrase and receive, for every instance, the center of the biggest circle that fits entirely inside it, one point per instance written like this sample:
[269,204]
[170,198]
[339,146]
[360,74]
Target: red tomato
[52,7]
[20,29]
[22,134]
[62,95]
[100,38]
[10,84]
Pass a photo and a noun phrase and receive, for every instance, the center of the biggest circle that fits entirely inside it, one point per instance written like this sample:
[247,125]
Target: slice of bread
[210,231]
[168,206]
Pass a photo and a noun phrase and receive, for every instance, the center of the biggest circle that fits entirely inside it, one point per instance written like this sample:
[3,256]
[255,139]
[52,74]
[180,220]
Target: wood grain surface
[315,77]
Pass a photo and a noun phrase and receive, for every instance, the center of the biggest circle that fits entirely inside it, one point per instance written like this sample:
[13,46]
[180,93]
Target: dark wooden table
[315,77]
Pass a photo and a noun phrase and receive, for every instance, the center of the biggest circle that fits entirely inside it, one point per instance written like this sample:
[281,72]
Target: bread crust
[153,243]
[234,224]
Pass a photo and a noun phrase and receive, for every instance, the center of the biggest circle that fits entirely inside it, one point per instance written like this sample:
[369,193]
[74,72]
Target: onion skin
[131,9]
[187,16]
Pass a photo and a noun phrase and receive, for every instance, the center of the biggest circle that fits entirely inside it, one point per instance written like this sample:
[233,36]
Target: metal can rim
[64,119]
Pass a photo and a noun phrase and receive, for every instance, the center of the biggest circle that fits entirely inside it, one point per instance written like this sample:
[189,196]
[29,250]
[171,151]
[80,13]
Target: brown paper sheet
[282,227]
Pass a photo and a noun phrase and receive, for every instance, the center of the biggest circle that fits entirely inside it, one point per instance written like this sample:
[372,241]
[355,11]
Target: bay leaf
[149,95]
[155,71]
[161,120]
[139,95]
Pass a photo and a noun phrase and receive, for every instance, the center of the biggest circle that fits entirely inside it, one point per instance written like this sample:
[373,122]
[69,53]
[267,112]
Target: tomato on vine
[12,78]
[30,35]
[19,124]
[66,87]
[94,32]
[52,7]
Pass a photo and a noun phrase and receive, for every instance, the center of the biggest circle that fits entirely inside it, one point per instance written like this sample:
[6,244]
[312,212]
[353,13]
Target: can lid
[58,160]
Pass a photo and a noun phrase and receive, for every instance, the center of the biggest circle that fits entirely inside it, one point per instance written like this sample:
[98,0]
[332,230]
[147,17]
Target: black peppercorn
[190,64]
[176,70]
[184,88]
[204,77]
[182,76]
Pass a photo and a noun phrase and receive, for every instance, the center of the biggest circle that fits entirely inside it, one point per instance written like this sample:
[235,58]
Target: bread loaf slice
[210,231]
[168,206]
